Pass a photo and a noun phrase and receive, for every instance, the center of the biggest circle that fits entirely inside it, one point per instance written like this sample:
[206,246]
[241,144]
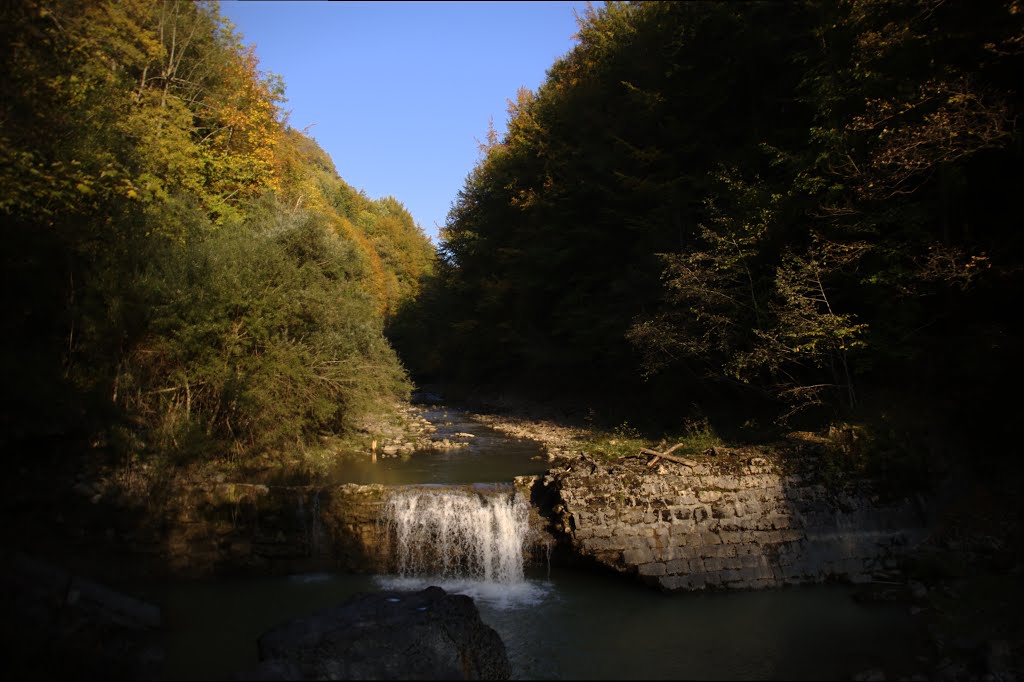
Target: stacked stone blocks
[693,528]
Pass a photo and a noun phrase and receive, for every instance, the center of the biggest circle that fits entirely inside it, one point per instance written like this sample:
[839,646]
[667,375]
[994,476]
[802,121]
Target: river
[557,623]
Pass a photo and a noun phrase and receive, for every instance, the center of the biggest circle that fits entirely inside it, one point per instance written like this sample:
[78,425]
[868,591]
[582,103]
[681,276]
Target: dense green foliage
[183,272]
[807,207]
[802,210]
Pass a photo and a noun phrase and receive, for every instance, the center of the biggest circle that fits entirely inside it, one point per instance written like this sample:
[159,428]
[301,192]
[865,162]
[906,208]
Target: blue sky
[399,93]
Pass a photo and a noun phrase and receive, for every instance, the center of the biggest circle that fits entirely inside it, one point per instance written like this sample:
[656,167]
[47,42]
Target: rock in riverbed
[426,635]
[59,625]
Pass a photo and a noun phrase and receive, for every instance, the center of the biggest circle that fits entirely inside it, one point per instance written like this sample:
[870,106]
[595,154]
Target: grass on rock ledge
[697,436]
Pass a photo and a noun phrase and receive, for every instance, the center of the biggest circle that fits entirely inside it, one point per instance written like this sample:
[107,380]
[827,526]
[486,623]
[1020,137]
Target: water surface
[557,623]
[491,456]
[570,625]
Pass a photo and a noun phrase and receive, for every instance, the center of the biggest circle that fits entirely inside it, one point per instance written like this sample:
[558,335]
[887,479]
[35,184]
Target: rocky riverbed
[559,439]
[408,430]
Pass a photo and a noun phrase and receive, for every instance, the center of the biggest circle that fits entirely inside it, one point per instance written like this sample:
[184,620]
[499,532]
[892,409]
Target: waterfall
[458,533]
[316,531]
[311,522]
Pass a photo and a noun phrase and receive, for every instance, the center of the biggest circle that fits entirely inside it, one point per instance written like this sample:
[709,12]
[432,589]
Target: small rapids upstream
[459,533]
[486,455]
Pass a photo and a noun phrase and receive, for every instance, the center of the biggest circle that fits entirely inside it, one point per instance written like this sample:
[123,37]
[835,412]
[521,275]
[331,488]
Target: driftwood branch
[667,455]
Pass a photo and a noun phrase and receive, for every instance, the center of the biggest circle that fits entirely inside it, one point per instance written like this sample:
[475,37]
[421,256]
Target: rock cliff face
[750,524]
[238,528]
[736,527]
[232,528]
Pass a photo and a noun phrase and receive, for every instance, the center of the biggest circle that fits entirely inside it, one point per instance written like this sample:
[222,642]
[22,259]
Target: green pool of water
[570,625]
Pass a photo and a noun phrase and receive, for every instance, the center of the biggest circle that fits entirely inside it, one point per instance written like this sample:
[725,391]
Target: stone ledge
[749,530]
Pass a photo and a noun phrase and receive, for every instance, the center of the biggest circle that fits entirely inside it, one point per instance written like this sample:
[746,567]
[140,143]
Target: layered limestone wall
[743,525]
[234,527]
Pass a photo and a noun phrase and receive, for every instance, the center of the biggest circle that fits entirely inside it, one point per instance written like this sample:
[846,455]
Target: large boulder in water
[426,635]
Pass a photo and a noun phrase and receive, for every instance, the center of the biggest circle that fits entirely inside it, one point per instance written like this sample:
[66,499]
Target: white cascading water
[458,533]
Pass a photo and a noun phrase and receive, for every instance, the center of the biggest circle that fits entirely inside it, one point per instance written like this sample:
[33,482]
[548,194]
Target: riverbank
[963,583]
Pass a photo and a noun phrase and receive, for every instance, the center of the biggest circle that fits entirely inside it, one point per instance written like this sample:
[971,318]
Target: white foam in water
[458,533]
[500,596]
[464,541]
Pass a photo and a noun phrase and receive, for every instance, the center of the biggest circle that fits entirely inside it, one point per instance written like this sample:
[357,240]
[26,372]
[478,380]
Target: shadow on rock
[63,626]
[426,635]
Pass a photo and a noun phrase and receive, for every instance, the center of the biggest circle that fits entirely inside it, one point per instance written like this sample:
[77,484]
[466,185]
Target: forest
[772,215]
[766,215]
[185,275]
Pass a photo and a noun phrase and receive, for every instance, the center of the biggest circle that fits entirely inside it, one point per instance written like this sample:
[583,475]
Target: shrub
[258,335]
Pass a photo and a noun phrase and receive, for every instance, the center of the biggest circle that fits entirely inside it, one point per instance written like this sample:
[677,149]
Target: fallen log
[667,455]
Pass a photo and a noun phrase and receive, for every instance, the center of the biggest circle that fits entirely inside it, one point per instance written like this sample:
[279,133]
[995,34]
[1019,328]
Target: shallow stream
[490,456]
